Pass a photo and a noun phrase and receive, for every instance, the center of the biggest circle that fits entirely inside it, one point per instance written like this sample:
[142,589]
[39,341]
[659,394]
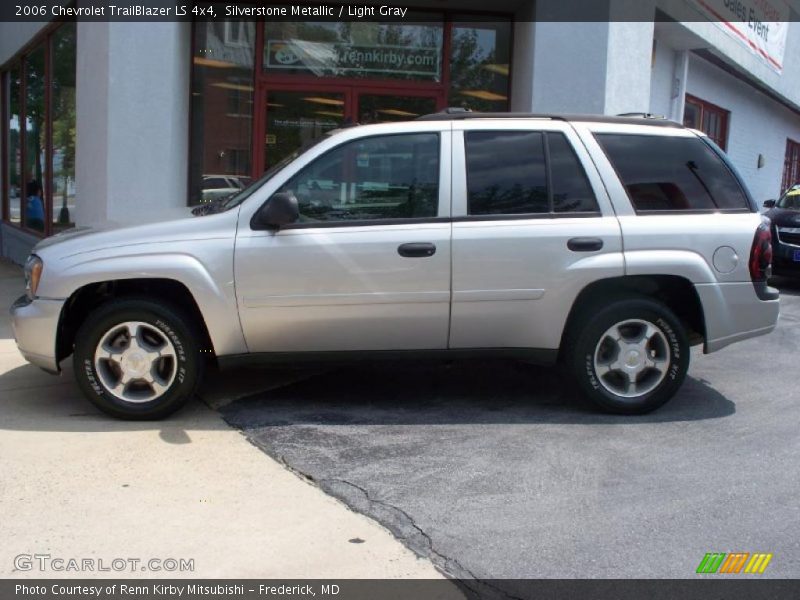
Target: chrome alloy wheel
[135,362]
[632,358]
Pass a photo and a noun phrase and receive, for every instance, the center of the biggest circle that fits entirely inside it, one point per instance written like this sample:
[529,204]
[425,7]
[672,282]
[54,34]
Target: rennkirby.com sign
[761,25]
[334,58]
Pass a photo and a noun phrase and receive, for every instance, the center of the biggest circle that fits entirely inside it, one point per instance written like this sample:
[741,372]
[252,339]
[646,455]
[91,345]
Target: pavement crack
[416,540]
[398,522]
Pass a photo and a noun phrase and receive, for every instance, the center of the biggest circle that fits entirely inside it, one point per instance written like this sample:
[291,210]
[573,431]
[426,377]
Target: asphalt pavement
[494,469]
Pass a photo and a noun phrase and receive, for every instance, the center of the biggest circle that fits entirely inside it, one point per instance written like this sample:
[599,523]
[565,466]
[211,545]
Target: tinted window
[506,172]
[671,173]
[571,189]
[385,177]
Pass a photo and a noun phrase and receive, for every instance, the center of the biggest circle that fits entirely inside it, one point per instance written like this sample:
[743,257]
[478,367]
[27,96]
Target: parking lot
[494,470]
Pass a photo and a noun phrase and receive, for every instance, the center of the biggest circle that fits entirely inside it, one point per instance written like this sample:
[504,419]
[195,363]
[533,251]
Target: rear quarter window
[525,172]
[667,174]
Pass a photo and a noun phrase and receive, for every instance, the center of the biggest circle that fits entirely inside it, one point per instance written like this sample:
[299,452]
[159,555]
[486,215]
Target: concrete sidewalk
[77,484]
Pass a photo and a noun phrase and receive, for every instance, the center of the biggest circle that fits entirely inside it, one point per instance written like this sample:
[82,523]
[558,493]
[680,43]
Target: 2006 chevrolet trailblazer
[609,244]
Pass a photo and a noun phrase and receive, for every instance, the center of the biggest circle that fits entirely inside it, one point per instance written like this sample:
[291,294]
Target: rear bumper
[733,312]
[35,326]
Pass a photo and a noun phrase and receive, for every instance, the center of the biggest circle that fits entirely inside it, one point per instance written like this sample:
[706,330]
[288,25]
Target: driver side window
[381,177]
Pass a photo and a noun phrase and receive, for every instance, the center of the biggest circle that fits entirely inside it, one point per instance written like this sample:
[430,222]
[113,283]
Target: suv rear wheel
[630,357]
[137,359]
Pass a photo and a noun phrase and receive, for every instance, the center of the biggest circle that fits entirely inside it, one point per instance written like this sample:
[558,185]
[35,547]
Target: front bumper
[35,326]
[783,262]
[783,251]
[734,312]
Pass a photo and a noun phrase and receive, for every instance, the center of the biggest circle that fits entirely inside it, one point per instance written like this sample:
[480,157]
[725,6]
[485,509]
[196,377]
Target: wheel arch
[93,295]
[676,292]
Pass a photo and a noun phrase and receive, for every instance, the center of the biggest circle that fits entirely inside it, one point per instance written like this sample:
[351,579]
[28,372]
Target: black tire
[159,318]
[584,351]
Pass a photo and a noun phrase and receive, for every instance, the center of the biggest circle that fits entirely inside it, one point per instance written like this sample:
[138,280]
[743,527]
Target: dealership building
[129,121]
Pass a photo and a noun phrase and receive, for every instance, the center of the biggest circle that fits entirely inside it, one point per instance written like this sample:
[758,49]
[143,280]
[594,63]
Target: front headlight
[33,272]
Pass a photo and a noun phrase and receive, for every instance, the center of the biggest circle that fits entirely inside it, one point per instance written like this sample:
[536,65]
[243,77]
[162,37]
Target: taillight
[761,252]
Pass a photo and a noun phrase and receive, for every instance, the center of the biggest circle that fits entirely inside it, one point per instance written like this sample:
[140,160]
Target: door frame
[260,109]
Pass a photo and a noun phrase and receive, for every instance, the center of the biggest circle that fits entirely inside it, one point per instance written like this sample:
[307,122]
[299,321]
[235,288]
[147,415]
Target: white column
[600,66]
[132,121]
[680,75]
[628,67]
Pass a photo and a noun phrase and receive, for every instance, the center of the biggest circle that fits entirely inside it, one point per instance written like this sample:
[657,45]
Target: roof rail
[455,114]
[641,115]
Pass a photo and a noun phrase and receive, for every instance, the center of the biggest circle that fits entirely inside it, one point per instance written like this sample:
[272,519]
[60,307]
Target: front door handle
[417,249]
[585,244]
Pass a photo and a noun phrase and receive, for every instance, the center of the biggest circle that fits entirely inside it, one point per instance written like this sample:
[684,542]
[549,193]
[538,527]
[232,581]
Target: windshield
[238,198]
[791,199]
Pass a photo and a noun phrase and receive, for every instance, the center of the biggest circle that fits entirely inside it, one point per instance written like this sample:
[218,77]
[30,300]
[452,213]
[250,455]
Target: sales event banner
[761,25]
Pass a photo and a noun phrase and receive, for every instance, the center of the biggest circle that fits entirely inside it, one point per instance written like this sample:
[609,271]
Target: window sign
[337,59]
[363,50]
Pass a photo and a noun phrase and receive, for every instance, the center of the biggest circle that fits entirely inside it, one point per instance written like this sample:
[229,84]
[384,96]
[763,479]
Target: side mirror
[769,203]
[281,209]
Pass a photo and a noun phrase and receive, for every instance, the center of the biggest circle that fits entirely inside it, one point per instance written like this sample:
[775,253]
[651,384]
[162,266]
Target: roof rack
[458,114]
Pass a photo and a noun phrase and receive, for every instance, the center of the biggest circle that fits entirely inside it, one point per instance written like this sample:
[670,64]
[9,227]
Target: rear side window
[663,173]
[525,172]
[506,172]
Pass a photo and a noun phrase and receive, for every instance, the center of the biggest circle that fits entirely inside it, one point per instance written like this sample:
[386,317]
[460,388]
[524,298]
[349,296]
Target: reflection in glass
[354,49]
[479,65]
[295,119]
[382,177]
[14,158]
[380,108]
[35,163]
[222,109]
[63,132]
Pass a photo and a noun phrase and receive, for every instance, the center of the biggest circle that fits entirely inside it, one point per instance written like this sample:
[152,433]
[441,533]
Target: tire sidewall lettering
[590,374]
[174,338]
[91,377]
[674,345]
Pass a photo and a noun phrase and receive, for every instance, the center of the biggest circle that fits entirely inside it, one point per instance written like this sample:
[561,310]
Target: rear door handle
[585,244]
[417,249]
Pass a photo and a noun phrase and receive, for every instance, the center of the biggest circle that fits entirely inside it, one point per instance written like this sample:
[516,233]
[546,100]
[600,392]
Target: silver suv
[607,244]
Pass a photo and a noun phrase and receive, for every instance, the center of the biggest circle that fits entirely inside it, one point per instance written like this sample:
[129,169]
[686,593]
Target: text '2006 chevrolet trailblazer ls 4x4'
[608,244]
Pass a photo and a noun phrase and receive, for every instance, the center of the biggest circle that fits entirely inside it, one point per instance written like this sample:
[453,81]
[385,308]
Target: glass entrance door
[293,118]
[296,118]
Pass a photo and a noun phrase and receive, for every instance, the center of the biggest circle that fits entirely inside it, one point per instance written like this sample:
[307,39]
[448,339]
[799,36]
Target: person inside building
[34,206]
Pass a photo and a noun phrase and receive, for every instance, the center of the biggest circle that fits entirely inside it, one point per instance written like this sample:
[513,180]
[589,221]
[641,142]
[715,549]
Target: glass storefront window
[222,109]
[358,50]
[255,103]
[14,171]
[63,132]
[480,57]
[35,132]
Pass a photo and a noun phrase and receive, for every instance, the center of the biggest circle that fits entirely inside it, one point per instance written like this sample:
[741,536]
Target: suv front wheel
[137,359]
[630,357]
